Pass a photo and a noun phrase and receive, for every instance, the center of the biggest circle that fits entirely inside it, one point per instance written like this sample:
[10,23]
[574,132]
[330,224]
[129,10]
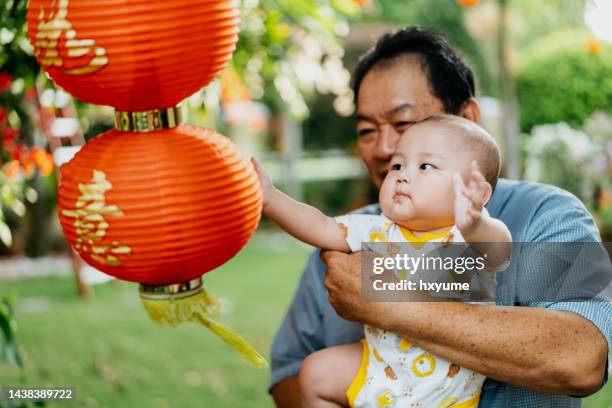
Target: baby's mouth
[399,196]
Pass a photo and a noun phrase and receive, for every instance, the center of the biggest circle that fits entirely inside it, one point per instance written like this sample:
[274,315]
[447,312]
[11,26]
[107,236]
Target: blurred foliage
[9,351]
[447,17]
[20,160]
[16,53]
[531,20]
[560,155]
[325,129]
[326,195]
[562,79]
[285,46]
[577,160]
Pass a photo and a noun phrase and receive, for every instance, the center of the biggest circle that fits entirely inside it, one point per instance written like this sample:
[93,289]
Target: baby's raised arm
[304,222]
[476,227]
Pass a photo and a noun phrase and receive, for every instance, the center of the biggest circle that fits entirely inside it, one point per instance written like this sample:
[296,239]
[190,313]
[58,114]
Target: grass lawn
[114,356]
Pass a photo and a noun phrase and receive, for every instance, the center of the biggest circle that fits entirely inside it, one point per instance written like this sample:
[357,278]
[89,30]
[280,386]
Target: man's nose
[386,143]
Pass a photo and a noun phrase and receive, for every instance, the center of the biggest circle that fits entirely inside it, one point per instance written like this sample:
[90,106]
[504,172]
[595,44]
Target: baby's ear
[488,192]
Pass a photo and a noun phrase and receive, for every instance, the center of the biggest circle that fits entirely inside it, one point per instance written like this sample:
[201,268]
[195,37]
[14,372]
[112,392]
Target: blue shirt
[533,213]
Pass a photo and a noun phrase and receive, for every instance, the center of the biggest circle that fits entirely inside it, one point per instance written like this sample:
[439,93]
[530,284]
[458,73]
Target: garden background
[544,72]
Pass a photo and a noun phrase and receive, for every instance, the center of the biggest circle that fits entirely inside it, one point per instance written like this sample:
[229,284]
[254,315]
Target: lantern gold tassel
[189,302]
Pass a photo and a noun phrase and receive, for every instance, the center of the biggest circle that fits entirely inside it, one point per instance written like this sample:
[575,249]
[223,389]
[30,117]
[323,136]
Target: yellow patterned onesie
[393,371]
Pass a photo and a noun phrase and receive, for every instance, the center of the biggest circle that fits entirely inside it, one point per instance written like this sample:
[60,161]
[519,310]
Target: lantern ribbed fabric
[189,201]
[157,52]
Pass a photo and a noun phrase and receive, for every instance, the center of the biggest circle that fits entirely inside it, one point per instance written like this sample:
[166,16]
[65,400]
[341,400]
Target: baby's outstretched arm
[304,222]
[476,228]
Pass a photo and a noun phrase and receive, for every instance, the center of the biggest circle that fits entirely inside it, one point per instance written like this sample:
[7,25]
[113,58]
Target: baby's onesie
[394,372]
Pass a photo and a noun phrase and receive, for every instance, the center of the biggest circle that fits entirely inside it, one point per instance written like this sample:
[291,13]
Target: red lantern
[134,55]
[152,201]
[160,207]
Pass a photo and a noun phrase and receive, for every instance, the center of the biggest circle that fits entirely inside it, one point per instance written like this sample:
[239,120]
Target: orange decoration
[593,46]
[134,55]
[364,3]
[43,160]
[160,207]
[232,88]
[468,3]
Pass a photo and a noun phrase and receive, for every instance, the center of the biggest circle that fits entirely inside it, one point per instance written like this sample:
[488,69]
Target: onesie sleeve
[358,228]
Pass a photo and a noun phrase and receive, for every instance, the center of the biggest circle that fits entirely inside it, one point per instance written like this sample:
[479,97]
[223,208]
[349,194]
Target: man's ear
[470,110]
[488,192]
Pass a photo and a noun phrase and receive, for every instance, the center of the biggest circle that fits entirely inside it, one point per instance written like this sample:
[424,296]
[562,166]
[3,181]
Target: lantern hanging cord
[189,302]
[148,121]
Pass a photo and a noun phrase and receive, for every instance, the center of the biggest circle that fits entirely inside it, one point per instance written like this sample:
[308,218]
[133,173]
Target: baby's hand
[469,200]
[264,181]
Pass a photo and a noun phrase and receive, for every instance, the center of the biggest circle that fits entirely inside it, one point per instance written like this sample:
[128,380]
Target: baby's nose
[402,178]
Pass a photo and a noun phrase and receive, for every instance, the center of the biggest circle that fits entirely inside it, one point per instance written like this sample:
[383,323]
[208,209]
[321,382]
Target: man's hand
[469,199]
[343,283]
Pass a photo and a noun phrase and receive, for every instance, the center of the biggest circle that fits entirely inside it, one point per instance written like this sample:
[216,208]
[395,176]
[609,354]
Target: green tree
[561,80]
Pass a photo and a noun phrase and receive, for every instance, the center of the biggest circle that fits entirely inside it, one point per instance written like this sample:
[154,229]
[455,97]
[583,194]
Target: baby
[423,199]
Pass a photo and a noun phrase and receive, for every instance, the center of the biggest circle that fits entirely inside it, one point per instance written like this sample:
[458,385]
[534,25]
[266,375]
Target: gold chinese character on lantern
[83,56]
[91,224]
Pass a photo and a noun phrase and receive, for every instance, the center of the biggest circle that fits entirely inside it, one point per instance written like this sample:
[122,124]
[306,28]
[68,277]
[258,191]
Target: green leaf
[348,7]
[5,234]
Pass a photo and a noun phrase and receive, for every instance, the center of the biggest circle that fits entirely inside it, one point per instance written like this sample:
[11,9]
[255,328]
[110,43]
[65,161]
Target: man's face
[390,100]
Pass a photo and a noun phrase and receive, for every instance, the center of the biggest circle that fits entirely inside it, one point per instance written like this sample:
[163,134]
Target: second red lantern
[134,55]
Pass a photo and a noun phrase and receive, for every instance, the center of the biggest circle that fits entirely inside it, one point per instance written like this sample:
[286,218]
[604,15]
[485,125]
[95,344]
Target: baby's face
[417,193]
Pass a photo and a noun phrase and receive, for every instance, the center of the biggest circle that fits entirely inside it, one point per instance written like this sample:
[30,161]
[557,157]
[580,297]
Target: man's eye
[426,166]
[403,125]
[365,132]
[396,167]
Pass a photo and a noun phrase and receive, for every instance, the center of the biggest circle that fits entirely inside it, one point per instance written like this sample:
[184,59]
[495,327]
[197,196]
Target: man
[535,356]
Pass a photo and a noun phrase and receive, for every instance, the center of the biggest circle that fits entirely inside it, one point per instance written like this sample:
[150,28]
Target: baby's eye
[396,167]
[426,167]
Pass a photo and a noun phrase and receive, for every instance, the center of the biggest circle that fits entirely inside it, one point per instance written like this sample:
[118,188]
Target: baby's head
[417,193]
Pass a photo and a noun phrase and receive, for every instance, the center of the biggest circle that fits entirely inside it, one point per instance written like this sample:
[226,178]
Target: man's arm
[541,349]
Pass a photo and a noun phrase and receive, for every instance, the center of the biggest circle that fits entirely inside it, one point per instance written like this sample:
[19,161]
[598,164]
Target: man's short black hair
[450,79]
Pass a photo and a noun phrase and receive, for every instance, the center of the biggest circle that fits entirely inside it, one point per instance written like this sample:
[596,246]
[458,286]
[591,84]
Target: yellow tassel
[235,341]
[199,308]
